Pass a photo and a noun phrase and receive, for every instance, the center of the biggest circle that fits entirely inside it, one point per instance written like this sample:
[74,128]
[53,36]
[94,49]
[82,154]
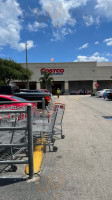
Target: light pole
[27,84]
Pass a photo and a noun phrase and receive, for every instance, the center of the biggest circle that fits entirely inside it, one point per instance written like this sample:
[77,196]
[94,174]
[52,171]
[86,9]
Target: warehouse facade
[70,76]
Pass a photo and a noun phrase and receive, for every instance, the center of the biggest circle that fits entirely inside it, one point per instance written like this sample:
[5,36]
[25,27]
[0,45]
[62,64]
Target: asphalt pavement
[81,169]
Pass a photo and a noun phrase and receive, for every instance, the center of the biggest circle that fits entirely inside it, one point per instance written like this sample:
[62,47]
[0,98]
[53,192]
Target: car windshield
[30,91]
[18,98]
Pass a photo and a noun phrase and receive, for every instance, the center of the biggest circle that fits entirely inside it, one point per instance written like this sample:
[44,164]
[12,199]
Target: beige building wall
[75,71]
[72,71]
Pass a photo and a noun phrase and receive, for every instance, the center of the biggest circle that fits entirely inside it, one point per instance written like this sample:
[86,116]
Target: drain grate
[108,117]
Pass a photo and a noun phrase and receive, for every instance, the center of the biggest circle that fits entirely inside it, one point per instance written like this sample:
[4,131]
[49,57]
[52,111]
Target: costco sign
[53,71]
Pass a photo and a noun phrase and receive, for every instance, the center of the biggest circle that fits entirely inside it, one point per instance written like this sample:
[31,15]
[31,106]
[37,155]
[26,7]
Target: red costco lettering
[47,70]
[62,70]
[57,70]
[52,70]
[43,69]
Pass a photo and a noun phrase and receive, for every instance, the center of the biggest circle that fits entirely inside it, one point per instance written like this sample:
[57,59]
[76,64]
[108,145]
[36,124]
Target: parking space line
[38,154]
[76,99]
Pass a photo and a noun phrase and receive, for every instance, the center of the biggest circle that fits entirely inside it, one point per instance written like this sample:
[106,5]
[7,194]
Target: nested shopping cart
[14,140]
[60,107]
[48,127]
[44,129]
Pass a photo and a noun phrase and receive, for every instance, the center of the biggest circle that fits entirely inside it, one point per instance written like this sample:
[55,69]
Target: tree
[10,70]
[47,79]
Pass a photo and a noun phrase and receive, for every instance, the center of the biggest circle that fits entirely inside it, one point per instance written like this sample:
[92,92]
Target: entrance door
[55,87]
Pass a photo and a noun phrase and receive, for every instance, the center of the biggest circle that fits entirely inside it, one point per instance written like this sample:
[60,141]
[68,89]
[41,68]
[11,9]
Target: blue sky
[65,30]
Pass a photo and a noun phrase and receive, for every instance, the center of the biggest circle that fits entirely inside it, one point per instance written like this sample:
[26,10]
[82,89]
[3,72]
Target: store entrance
[55,87]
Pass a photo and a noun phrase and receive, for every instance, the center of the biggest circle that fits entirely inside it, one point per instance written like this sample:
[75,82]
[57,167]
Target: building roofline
[57,62]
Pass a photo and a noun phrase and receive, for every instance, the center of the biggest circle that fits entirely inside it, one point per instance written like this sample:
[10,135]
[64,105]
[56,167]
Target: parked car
[72,92]
[81,91]
[101,92]
[22,103]
[33,95]
[106,92]
[109,94]
[5,89]
[4,98]
[44,90]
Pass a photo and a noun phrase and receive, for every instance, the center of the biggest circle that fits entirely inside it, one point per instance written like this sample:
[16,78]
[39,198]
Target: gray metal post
[30,140]
[43,103]
[27,83]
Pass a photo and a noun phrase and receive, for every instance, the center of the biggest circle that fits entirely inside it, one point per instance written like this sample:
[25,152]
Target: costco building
[70,76]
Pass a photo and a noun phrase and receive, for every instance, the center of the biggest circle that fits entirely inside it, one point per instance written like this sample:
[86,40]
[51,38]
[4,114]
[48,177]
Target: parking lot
[81,169]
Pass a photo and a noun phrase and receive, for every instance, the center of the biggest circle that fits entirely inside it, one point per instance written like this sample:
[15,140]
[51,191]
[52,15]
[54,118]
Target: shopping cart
[44,129]
[49,126]
[17,120]
[60,108]
[58,124]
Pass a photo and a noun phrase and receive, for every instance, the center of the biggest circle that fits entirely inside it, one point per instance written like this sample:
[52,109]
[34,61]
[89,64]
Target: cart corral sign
[53,71]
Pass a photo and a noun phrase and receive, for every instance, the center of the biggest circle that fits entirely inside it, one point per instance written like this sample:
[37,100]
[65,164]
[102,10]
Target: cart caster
[49,148]
[53,140]
[44,149]
[55,148]
[62,136]
[26,152]
[13,168]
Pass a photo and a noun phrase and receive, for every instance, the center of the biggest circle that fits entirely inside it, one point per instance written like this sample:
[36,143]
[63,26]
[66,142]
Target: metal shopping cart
[49,126]
[44,129]
[13,141]
[60,108]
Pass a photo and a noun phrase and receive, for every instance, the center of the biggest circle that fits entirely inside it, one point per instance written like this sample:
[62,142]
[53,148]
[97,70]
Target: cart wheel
[13,168]
[53,140]
[62,136]
[55,148]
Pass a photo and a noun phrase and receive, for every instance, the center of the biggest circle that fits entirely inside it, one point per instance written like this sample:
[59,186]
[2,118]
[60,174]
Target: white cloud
[109,54]
[108,41]
[10,24]
[97,20]
[88,20]
[105,7]
[21,46]
[36,11]
[96,54]
[83,46]
[97,42]
[95,57]
[60,33]
[81,59]
[59,10]
[36,26]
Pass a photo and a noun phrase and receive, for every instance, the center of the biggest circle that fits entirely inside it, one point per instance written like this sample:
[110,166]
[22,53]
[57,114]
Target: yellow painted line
[76,99]
[38,154]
